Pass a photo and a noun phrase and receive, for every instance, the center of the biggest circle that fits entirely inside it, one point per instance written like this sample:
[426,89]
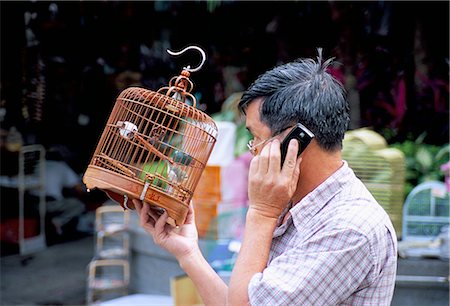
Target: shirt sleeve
[325,270]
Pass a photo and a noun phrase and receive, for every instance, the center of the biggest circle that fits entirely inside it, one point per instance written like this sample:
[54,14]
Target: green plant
[423,161]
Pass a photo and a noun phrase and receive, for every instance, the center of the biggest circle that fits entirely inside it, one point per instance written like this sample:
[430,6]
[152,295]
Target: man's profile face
[258,129]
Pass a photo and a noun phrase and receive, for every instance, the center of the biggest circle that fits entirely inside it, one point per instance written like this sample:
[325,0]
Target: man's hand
[270,186]
[270,190]
[180,242]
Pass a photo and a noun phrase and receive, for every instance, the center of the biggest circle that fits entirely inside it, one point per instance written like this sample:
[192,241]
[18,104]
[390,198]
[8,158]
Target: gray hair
[302,91]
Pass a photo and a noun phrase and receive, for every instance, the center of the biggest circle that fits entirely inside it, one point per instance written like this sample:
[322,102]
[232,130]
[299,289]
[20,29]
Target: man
[314,234]
[59,177]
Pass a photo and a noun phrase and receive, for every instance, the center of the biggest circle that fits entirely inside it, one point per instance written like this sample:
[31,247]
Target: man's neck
[317,165]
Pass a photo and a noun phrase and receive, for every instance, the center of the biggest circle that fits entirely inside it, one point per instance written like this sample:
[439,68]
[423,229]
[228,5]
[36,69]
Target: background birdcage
[426,211]
[154,147]
[380,168]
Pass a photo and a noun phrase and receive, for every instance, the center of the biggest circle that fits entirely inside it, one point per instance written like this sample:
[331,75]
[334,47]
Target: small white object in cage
[127,129]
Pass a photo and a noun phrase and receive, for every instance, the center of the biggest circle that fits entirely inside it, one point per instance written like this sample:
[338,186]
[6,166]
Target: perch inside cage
[154,147]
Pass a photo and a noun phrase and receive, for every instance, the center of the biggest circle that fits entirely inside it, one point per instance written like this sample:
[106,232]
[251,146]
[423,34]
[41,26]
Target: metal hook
[188,68]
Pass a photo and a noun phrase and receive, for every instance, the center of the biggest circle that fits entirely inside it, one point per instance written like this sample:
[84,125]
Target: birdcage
[381,169]
[154,147]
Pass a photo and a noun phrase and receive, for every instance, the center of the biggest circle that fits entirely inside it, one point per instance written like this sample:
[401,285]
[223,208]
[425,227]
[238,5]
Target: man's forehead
[253,108]
[253,119]
[252,114]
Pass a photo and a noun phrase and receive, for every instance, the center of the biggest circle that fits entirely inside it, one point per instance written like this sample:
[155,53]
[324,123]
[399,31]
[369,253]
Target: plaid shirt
[338,247]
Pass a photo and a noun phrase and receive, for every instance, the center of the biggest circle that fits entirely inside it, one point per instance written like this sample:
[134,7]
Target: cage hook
[188,68]
[125,200]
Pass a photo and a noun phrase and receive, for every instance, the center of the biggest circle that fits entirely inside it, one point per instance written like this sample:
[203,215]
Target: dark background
[63,63]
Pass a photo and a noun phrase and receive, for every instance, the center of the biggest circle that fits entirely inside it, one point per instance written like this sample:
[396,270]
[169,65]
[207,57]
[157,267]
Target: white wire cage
[154,147]
[426,211]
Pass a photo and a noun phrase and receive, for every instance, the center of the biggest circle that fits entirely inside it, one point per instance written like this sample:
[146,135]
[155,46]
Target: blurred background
[63,64]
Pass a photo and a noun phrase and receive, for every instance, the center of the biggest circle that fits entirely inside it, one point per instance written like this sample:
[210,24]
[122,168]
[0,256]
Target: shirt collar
[313,202]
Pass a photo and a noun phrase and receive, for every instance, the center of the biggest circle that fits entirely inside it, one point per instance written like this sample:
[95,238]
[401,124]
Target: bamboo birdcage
[154,147]
[380,168]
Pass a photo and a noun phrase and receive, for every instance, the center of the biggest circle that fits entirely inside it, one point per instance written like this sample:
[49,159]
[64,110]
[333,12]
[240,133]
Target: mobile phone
[303,136]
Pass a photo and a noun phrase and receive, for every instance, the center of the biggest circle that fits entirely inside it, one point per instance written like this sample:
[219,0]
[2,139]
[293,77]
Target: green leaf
[424,158]
[420,139]
[444,151]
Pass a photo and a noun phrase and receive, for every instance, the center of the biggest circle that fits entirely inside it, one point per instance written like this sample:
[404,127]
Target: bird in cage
[154,147]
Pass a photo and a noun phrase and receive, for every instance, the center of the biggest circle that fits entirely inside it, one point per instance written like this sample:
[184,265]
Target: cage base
[117,186]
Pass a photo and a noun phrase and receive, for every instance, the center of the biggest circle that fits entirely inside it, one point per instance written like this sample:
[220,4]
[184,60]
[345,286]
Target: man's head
[301,91]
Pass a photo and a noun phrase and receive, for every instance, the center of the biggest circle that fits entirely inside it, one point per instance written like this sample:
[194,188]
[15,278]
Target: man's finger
[254,163]
[190,218]
[263,159]
[145,218]
[290,161]
[161,223]
[275,156]
[137,205]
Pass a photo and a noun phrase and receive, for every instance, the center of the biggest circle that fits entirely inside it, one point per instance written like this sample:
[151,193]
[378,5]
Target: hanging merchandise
[14,140]
[154,147]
